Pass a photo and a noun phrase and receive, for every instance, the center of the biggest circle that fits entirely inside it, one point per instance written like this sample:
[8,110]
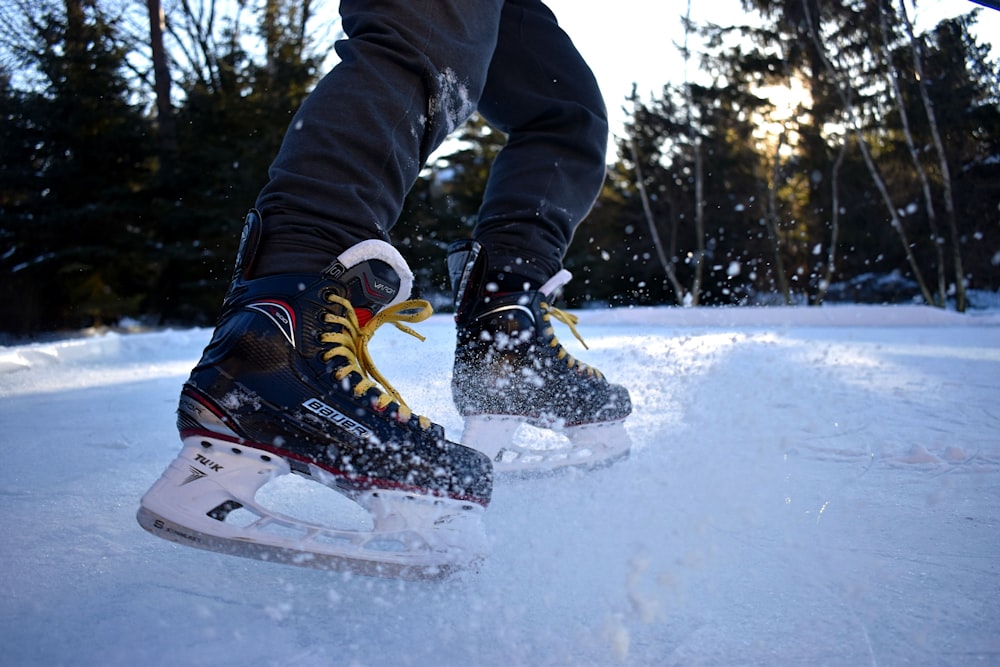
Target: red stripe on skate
[361,482]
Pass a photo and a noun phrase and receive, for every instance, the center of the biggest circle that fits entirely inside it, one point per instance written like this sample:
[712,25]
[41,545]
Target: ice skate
[511,371]
[287,385]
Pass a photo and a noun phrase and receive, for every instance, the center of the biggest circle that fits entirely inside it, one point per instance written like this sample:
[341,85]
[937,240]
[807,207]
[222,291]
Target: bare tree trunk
[831,255]
[647,210]
[893,76]
[271,9]
[303,21]
[773,233]
[949,199]
[845,98]
[699,172]
[296,16]
[699,219]
[196,41]
[166,126]
[74,15]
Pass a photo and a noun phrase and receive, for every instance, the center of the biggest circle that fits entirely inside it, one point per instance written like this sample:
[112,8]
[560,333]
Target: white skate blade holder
[206,499]
[586,447]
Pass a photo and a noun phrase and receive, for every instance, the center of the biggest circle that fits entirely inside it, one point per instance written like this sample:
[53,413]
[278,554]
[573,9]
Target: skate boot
[287,385]
[511,370]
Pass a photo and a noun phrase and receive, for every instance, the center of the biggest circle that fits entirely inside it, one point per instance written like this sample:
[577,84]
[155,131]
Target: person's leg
[286,383]
[543,95]
[411,71]
[509,367]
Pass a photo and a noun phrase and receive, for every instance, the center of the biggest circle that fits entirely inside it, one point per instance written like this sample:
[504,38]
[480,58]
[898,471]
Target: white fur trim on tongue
[376,249]
[556,283]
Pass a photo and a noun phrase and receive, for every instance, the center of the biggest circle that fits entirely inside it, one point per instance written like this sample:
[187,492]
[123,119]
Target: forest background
[826,151]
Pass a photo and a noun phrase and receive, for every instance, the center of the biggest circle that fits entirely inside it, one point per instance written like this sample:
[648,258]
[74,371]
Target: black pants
[411,72]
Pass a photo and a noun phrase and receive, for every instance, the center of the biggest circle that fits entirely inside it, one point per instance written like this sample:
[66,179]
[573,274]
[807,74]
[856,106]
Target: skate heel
[209,478]
[599,445]
[403,521]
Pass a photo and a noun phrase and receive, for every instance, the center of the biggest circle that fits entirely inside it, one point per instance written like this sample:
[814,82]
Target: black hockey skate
[511,370]
[287,385]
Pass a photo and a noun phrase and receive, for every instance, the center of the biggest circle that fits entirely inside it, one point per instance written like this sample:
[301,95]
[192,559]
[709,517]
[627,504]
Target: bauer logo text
[320,408]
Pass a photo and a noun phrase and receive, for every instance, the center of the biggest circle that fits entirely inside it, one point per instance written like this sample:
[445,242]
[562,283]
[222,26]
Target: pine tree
[80,248]
[236,108]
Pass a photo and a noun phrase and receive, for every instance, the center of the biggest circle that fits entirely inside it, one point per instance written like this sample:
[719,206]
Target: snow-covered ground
[807,486]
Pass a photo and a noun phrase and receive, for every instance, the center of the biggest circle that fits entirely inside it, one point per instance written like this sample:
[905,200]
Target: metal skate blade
[285,555]
[553,467]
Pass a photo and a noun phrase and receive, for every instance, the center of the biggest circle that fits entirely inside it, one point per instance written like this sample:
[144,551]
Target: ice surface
[808,486]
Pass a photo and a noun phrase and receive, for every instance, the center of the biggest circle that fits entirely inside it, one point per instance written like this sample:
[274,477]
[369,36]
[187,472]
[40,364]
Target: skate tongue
[375,275]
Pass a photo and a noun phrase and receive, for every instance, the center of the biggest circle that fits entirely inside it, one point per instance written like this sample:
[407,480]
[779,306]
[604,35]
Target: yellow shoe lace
[570,320]
[351,343]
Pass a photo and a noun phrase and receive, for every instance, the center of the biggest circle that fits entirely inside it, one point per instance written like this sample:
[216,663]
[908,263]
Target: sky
[636,42]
